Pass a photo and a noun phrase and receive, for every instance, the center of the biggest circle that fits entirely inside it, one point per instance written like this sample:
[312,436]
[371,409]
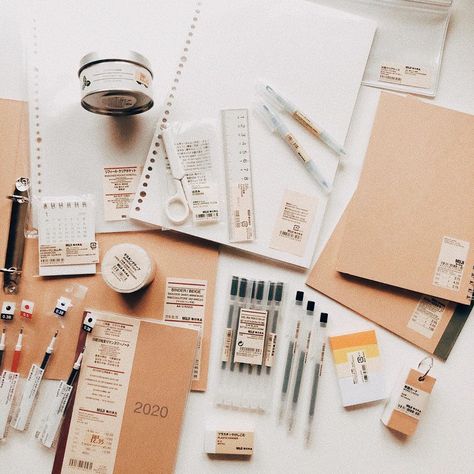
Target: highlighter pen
[17,353]
[2,346]
[283,104]
[275,124]
[49,351]
[318,368]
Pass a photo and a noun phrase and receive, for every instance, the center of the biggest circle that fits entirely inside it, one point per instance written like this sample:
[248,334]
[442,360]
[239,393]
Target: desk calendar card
[66,227]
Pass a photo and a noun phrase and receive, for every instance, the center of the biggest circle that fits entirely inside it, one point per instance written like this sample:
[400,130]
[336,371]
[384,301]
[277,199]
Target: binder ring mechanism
[427,362]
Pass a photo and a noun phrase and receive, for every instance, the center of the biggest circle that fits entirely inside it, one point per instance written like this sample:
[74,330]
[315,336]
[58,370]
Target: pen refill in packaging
[409,398]
[358,366]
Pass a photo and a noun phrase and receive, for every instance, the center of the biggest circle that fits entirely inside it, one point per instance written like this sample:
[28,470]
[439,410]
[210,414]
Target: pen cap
[323,319]
[310,307]
[243,288]
[260,288]
[271,119]
[299,297]
[275,98]
[279,292]
[271,291]
[234,286]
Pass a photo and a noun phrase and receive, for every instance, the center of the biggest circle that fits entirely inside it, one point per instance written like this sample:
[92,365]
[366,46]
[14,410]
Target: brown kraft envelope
[411,223]
[160,376]
[400,311]
[175,256]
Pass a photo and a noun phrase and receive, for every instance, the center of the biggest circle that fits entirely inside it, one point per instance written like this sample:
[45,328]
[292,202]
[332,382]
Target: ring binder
[16,236]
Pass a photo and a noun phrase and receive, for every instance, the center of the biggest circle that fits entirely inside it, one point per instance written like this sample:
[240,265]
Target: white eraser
[236,443]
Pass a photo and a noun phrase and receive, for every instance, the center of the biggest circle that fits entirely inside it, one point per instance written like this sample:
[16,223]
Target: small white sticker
[294,223]
[226,348]
[79,253]
[8,310]
[250,336]
[119,186]
[358,367]
[185,303]
[270,349]
[412,401]
[414,76]
[427,315]
[451,263]
[26,309]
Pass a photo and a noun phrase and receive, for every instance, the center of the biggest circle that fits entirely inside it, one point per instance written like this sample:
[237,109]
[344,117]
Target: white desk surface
[345,441]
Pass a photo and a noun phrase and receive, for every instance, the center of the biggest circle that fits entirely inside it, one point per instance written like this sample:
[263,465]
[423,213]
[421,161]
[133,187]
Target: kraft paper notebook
[181,261]
[430,323]
[411,222]
[130,398]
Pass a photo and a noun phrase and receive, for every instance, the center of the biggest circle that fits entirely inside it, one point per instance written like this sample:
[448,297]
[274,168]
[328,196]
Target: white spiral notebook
[212,52]
[313,54]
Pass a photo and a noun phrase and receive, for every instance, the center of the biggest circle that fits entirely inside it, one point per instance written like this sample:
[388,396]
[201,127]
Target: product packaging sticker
[242,218]
[30,390]
[250,336]
[196,157]
[413,76]
[49,426]
[8,383]
[226,348]
[101,396]
[119,186]
[270,349]
[412,401]
[26,309]
[294,223]
[358,366]
[427,315]
[8,310]
[238,443]
[79,253]
[185,304]
[451,262]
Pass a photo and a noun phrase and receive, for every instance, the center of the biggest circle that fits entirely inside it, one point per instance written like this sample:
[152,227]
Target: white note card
[66,236]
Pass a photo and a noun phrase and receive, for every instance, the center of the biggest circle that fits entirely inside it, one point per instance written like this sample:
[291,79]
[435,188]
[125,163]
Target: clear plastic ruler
[235,123]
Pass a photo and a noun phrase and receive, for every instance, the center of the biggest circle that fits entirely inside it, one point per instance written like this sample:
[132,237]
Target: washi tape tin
[116,84]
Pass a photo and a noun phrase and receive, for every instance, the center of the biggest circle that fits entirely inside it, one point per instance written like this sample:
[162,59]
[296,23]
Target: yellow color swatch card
[359,369]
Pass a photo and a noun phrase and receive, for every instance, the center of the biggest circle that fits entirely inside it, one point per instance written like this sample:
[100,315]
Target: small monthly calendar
[66,231]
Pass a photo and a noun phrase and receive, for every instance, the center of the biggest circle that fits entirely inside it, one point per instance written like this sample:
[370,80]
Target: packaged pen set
[253,321]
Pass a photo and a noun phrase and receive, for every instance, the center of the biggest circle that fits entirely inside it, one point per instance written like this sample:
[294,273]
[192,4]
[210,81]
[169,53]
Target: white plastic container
[127,268]
[116,84]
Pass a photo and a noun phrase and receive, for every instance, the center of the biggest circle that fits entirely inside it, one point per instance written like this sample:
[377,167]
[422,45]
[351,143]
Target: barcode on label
[291,234]
[81,464]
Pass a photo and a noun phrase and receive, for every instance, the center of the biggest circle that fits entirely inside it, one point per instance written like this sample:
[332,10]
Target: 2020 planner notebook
[130,398]
[411,222]
[316,57]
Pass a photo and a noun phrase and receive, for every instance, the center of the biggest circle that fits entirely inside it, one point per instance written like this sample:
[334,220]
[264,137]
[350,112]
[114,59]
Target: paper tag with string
[409,398]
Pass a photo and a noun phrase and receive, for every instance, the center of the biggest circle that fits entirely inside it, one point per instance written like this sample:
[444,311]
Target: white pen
[275,124]
[283,104]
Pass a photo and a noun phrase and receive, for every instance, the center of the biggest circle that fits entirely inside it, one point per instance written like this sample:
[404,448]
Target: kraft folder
[175,256]
[411,222]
